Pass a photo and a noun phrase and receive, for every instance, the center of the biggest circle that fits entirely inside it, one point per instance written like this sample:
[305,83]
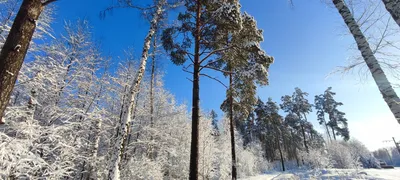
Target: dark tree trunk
[232,129]
[280,153]
[333,132]
[16,46]
[194,146]
[304,137]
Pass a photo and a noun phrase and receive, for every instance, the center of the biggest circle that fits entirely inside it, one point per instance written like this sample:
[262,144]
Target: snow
[388,174]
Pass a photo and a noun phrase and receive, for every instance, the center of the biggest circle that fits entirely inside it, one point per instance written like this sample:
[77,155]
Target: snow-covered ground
[389,174]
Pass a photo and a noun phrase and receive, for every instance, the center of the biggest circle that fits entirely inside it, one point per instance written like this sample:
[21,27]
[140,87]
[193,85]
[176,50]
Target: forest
[69,110]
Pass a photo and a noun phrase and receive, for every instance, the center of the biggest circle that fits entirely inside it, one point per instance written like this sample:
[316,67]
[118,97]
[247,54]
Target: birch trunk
[387,91]
[16,46]
[114,171]
[393,6]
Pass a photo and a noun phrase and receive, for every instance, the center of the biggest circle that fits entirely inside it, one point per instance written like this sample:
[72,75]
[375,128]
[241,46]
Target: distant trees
[297,107]
[325,103]
[15,47]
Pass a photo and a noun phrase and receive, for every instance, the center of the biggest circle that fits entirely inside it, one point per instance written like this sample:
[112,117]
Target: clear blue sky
[304,41]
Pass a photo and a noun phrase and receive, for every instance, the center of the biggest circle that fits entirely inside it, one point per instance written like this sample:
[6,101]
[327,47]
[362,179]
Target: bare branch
[213,78]
[215,51]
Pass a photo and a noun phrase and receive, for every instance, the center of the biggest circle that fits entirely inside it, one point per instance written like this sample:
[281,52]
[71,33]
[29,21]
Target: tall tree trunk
[304,136]
[16,46]
[194,145]
[327,131]
[114,171]
[393,6]
[232,129]
[333,132]
[280,153]
[387,91]
[152,81]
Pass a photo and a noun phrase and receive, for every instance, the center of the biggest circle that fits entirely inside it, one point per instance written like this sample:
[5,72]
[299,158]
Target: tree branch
[48,2]
[215,51]
[220,70]
[213,78]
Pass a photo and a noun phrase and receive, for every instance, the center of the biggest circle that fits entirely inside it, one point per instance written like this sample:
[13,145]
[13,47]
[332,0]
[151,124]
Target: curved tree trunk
[393,6]
[387,91]
[194,145]
[16,46]
[114,171]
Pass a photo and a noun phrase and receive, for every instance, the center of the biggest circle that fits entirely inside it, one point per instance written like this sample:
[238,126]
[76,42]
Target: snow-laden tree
[317,158]
[16,45]
[246,65]
[357,148]
[60,92]
[341,156]
[122,133]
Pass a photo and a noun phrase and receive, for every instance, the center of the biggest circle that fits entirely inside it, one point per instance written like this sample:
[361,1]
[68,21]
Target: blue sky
[305,41]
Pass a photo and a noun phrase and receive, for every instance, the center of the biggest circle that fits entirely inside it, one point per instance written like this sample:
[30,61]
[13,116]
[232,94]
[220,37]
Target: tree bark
[16,46]
[333,132]
[152,81]
[232,129]
[304,137]
[387,91]
[194,146]
[114,171]
[280,152]
[393,6]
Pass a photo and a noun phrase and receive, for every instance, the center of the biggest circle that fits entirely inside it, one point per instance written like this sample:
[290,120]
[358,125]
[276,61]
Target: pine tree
[298,107]
[319,106]
[204,24]
[246,66]
[337,121]
[214,122]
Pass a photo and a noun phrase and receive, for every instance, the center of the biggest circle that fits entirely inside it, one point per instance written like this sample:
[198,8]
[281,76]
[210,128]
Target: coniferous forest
[70,110]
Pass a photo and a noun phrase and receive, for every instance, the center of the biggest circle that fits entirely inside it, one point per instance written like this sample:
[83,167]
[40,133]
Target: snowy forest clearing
[68,110]
[389,174]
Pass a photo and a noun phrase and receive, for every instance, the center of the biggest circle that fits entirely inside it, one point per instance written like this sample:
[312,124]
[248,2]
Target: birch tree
[115,162]
[393,7]
[379,76]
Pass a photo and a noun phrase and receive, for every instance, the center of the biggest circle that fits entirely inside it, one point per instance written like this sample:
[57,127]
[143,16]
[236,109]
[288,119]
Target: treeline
[285,137]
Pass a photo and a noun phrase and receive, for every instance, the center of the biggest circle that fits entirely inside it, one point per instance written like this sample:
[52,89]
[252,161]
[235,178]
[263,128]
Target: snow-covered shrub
[316,158]
[367,160]
[341,156]
[250,160]
[142,169]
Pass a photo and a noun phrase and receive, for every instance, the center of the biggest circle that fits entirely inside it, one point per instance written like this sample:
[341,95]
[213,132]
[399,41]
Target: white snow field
[387,174]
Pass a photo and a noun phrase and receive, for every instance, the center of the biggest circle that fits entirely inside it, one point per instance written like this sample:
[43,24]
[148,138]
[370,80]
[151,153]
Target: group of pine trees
[67,116]
[287,136]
